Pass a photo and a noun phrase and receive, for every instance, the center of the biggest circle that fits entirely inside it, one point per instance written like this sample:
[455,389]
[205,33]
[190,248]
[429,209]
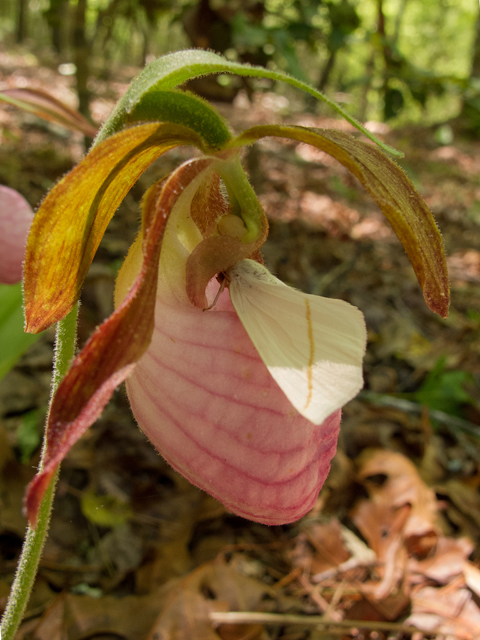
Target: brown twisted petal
[394,193]
[111,353]
[69,225]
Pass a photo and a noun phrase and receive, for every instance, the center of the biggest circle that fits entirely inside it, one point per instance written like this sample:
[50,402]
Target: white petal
[312,346]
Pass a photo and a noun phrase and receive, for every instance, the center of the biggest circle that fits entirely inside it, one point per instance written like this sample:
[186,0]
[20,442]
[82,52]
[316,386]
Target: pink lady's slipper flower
[242,394]
[16,217]
[236,378]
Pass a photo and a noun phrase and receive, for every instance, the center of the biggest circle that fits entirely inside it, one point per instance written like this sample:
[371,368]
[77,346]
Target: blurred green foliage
[399,60]
[29,433]
[444,390]
[13,340]
[104,510]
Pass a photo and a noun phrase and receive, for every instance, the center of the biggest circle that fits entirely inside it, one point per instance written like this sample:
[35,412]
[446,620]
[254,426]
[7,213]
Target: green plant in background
[411,60]
[28,433]
[16,217]
[235,377]
[445,390]
[13,339]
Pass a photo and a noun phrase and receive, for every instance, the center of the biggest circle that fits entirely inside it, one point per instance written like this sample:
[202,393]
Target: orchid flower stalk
[237,379]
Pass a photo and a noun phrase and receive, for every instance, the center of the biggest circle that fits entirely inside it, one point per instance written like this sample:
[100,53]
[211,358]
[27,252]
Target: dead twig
[253,617]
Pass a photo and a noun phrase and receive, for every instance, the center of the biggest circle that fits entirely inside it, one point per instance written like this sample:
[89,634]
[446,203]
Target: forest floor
[391,549]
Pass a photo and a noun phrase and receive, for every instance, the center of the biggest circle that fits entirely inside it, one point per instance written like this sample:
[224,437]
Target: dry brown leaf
[403,486]
[448,561]
[170,560]
[212,587]
[472,577]
[6,453]
[321,211]
[73,617]
[185,617]
[46,106]
[53,624]
[382,527]
[329,549]
[465,266]
[171,557]
[465,497]
[242,632]
[449,611]
[13,480]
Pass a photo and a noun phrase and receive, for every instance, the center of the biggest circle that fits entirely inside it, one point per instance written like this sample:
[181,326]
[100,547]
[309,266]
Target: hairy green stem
[242,197]
[35,538]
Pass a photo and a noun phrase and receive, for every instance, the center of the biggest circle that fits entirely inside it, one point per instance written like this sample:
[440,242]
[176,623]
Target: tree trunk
[22,21]
[475,67]
[81,58]
[393,99]
[311,103]
[55,17]
[386,52]
[369,71]
[468,121]
[327,70]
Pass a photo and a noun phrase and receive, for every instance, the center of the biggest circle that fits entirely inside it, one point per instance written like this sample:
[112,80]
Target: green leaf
[172,70]
[104,511]
[444,390]
[184,109]
[394,193]
[13,340]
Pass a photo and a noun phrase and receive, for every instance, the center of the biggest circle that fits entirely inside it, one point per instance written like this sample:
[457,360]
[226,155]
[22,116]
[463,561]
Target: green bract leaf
[396,196]
[183,109]
[13,340]
[172,70]
[69,225]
